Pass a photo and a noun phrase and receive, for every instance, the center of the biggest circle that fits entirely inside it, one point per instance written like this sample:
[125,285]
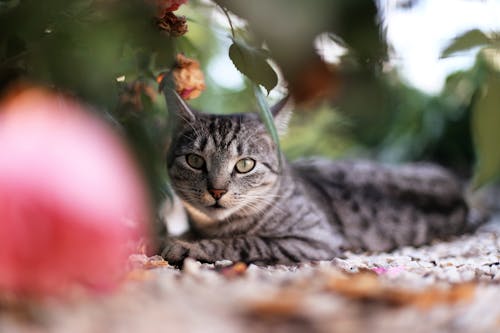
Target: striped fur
[308,210]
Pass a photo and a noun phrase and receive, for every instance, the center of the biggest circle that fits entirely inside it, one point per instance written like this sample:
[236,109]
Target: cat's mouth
[216,205]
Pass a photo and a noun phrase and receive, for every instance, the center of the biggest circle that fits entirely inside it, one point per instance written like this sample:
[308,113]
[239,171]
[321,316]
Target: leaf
[267,117]
[286,306]
[465,42]
[486,131]
[9,4]
[365,286]
[233,270]
[252,63]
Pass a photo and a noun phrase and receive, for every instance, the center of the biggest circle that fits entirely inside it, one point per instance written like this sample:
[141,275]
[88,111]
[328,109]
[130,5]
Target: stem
[226,12]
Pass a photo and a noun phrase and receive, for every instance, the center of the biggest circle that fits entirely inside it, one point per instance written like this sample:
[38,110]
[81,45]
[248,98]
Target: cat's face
[222,166]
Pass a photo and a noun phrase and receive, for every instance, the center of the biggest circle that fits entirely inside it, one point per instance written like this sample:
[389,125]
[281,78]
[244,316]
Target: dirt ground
[451,286]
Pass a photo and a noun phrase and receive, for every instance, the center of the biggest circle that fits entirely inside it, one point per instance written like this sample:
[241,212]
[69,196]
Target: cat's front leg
[257,250]
[176,250]
[207,250]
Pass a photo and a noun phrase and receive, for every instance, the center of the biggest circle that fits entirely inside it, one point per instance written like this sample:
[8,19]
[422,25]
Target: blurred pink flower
[71,198]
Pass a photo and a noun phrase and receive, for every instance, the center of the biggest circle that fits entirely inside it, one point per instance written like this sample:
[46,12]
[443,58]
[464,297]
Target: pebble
[468,275]
[191,267]
[465,258]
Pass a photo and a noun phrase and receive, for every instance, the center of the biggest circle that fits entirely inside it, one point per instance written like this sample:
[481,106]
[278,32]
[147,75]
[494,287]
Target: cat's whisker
[254,209]
[268,199]
[261,205]
[189,123]
[265,196]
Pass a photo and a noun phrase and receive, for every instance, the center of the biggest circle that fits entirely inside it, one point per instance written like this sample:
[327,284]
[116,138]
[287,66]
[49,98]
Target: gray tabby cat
[243,206]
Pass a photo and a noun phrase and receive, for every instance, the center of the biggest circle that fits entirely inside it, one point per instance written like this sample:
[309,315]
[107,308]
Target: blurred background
[392,80]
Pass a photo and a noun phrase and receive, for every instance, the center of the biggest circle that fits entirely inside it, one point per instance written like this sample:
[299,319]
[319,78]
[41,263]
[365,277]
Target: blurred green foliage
[108,53]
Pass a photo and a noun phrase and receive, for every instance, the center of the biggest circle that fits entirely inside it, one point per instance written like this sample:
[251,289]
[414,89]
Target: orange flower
[173,25]
[188,78]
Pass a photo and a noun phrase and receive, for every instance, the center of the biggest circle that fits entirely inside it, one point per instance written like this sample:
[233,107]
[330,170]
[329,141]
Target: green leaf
[252,62]
[267,117]
[486,131]
[465,42]
[8,4]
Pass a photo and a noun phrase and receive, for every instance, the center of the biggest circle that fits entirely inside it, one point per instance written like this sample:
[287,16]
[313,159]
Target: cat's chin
[216,206]
[208,215]
[218,212]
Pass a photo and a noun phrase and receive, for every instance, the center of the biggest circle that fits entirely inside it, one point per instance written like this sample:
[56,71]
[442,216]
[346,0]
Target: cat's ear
[178,108]
[282,112]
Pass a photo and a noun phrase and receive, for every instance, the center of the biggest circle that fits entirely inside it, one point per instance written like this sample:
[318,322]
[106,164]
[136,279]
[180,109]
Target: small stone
[223,263]
[468,275]
[426,264]
[191,266]
[346,265]
[452,275]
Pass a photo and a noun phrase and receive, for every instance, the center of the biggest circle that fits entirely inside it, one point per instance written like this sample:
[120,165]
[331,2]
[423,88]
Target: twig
[226,12]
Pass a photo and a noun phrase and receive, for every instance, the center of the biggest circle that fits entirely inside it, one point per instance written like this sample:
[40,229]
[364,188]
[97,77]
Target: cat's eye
[195,161]
[245,165]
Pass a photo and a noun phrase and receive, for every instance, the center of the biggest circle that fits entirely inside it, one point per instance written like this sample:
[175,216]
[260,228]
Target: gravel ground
[451,286]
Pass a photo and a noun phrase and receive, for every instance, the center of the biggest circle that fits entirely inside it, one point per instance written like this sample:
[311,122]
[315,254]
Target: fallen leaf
[235,270]
[284,304]
[366,286]
[155,262]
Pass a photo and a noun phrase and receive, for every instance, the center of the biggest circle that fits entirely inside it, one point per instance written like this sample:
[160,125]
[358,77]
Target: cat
[247,203]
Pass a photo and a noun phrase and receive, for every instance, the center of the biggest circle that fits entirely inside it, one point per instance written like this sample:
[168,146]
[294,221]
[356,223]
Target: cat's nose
[217,193]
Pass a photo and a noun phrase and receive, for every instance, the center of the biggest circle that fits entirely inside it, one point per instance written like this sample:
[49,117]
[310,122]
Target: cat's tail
[484,205]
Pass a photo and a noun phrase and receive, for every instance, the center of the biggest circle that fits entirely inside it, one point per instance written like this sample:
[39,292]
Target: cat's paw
[176,251]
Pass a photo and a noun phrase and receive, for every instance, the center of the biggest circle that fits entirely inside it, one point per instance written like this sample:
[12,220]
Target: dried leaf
[285,304]
[155,262]
[366,286]
[433,296]
[235,270]
[172,24]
